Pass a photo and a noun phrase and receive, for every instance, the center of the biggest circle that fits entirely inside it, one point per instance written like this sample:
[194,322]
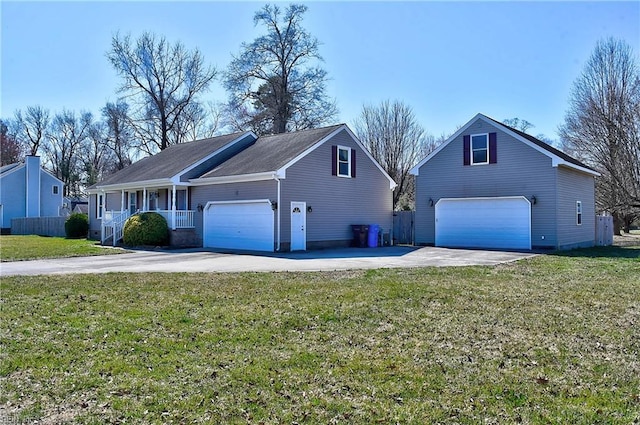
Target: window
[344,162]
[99,205]
[55,189]
[578,213]
[133,204]
[480,149]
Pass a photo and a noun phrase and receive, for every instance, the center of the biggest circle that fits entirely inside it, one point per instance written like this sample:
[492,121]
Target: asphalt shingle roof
[270,153]
[169,162]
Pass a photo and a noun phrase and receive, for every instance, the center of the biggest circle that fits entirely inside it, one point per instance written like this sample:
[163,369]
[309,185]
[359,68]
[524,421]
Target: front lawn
[31,247]
[551,339]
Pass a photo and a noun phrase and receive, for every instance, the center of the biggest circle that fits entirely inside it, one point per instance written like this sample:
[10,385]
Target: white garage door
[239,225]
[484,222]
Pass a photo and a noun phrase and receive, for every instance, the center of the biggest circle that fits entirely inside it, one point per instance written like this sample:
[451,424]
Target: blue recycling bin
[374,231]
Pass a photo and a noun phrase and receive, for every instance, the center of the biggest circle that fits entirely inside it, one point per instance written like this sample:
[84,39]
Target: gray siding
[575,186]
[337,202]
[519,171]
[231,192]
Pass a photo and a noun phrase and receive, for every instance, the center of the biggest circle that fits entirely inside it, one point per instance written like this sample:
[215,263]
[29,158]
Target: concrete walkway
[210,261]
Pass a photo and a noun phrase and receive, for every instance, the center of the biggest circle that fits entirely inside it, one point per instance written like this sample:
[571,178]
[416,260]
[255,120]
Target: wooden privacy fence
[403,227]
[604,230]
[43,226]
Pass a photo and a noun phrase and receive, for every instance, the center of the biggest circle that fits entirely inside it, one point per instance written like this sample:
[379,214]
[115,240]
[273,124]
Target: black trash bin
[360,235]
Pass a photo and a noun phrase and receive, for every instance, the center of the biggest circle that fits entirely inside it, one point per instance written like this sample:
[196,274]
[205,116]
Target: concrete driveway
[210,261]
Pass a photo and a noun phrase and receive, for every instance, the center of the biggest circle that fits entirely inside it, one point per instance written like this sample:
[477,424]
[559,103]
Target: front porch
[134,201]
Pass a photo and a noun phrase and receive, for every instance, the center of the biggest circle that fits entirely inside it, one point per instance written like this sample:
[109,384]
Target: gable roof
[5,170]
[270,153]
[270,156]
[557,156]
[172,161]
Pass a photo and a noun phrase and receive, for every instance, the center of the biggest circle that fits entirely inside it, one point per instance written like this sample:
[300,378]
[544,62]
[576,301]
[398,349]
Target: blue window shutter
[466,142]
[353,163]
[334,160]
[493,148]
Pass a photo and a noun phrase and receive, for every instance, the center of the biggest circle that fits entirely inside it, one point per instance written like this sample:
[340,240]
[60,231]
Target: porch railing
[184,218]
[112,225]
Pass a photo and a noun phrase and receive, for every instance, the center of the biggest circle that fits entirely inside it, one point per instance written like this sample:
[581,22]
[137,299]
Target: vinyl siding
[519,171]
[575,186]
[49,203]
[267,189]
[12,196]
[337,202]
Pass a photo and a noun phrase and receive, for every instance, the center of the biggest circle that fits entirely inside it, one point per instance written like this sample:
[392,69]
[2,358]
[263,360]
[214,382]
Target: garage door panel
[484,223]
[243,225]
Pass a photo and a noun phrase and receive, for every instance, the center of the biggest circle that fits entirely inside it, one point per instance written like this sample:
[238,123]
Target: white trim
[348,149]
[282,172]
[471,162]
[579,214]
[269,175]
[100,205]
[53,189]
[555,159]
[23,165]
[160,183]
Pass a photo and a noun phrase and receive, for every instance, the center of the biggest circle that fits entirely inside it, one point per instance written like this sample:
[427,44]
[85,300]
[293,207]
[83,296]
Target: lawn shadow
[613,251]
[328,253]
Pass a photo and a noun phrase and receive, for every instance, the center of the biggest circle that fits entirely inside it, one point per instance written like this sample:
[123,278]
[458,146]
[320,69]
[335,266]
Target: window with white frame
[578,213]
[344,162]
[99,205]
[480,149]
[55,189]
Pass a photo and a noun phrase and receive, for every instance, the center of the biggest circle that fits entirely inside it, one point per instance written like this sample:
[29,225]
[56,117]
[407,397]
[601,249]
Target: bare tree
[118,135]
[395,140]
[274,84]
[162,80]
[518,124]
[31,128]
[10,149]
[602,127]
[65,139]
[96,156]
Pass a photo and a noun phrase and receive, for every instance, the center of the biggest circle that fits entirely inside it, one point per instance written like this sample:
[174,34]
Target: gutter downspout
[279,209]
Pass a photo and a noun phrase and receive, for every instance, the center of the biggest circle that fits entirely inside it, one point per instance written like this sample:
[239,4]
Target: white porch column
[173,207]
[122,205]
[145,204]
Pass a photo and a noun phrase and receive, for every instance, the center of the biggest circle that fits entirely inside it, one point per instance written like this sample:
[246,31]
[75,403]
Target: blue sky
[447,60]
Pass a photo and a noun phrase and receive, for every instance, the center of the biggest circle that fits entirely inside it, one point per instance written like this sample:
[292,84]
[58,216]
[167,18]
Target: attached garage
[501,222]
[239,225]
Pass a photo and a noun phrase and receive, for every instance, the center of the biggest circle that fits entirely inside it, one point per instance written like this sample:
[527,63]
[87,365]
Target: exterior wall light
[534,200]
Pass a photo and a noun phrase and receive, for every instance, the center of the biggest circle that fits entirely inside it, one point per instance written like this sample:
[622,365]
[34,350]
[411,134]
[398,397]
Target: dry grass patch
[552,339]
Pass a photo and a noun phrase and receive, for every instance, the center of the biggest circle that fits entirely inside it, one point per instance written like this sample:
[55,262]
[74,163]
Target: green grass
[551,339]
[16,248]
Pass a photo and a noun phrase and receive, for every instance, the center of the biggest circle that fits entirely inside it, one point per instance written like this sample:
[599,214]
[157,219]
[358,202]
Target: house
[289,191]
[28,190]
[492,186]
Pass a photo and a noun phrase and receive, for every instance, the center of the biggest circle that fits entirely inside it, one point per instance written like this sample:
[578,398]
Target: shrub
[148,228]
[76,226]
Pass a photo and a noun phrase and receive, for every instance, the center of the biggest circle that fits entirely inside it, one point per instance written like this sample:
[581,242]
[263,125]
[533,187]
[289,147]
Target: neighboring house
[81,209]
[289,191]
[490,185]
[28,190]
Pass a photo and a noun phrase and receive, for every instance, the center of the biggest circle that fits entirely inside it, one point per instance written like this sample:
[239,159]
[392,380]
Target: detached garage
[503,223]
[492,186]
[247,225]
